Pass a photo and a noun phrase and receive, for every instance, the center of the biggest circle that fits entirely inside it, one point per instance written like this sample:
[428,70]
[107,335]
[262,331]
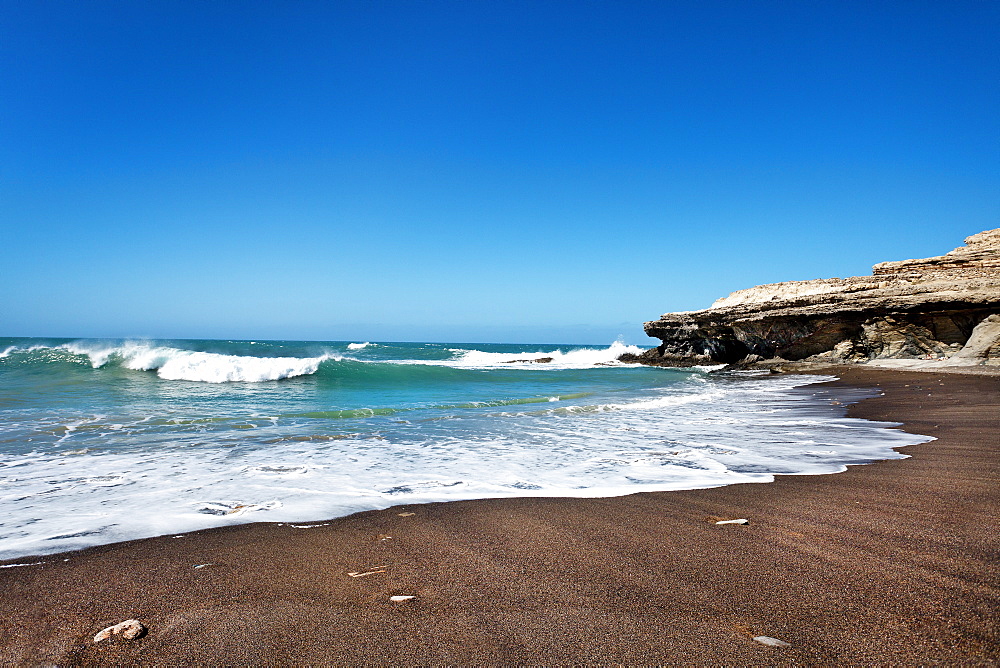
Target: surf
[204,433]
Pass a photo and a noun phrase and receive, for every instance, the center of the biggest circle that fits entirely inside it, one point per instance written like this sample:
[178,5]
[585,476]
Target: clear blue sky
[474,170]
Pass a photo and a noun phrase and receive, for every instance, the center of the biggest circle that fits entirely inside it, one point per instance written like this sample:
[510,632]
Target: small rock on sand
[771,642]
[400,599]
[130,629]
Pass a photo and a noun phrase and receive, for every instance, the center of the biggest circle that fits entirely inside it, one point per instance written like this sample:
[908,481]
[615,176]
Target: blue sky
[475,171]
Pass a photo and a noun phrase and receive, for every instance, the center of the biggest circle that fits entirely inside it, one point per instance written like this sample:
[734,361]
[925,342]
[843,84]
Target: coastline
[890,562]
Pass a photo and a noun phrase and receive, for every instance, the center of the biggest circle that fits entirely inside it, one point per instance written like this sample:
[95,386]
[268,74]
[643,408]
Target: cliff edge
[944,310]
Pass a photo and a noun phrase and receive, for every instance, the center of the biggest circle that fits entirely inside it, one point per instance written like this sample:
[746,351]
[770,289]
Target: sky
[488,171]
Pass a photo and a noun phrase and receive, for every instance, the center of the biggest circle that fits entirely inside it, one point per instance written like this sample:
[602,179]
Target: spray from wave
[11,350]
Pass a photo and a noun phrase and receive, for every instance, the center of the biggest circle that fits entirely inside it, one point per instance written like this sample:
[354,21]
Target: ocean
[104,441]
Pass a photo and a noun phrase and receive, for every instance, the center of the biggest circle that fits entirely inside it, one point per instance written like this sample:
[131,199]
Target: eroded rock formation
[940,308]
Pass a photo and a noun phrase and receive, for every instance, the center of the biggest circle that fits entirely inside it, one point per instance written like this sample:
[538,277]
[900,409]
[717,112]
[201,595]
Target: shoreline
[893,561]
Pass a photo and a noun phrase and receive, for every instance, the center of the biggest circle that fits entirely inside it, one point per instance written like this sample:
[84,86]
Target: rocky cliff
[944,308]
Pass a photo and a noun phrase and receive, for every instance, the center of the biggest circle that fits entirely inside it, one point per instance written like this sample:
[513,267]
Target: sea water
[103,441]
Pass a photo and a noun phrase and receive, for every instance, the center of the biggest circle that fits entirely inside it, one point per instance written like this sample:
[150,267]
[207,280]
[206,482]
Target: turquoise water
[102,441]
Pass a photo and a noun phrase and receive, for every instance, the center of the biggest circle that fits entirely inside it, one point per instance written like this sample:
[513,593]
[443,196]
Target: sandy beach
[893,562]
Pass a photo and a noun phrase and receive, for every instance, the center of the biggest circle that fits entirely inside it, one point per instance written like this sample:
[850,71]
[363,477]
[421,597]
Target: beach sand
[893,562]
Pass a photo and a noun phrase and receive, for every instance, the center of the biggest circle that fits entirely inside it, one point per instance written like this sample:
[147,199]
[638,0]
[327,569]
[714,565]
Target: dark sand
[895,562]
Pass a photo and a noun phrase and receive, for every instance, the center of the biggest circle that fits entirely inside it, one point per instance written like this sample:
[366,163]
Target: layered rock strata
[944,308]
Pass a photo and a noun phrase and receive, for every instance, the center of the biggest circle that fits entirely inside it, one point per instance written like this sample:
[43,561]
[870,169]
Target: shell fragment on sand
[771,642]
[374,570]
[129,630]
[407,514]
[401,599]
[739,521]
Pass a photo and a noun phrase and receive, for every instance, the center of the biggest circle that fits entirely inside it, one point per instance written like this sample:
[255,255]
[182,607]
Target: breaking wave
[172,363]
[176,364]
[577,358]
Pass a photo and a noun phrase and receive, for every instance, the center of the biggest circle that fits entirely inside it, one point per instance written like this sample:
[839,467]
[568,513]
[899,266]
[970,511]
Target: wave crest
[176,364]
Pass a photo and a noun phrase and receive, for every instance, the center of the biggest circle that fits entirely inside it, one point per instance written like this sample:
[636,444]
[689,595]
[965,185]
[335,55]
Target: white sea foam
[701,433]
[665,402]
[34,563]
[577,358]
[358,346]
[177,364]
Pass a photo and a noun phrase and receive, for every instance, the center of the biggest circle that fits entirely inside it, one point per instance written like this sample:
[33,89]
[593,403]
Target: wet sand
[893,562]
